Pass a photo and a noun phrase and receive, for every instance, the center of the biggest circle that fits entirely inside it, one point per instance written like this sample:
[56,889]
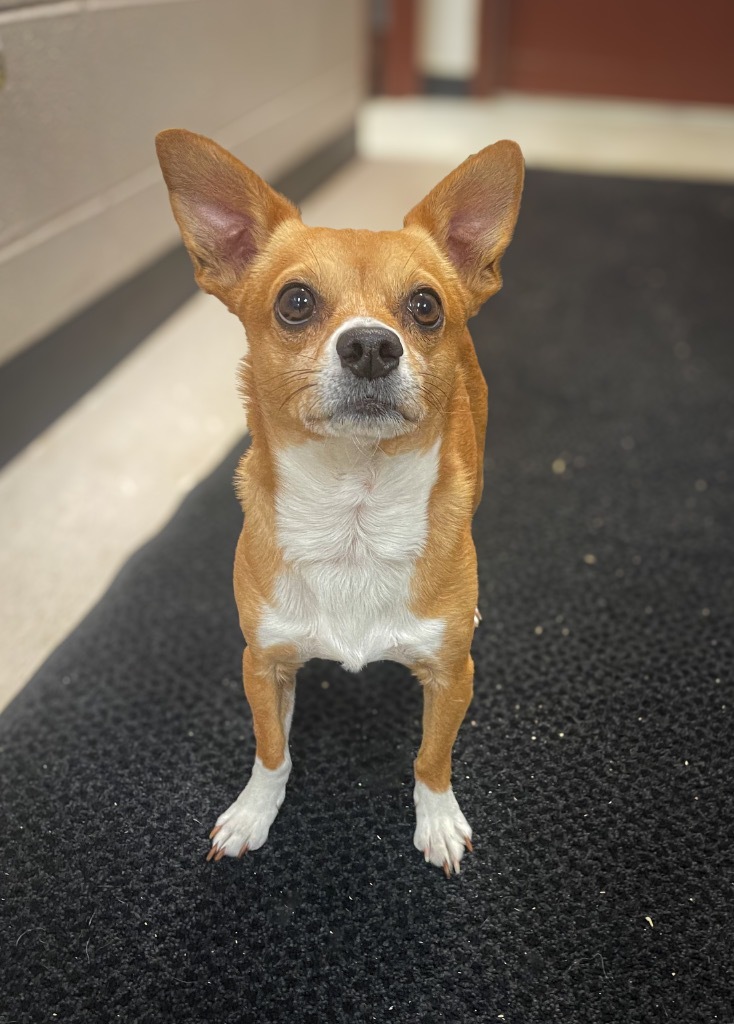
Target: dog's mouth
[364,416]
[376,411]
[371,406]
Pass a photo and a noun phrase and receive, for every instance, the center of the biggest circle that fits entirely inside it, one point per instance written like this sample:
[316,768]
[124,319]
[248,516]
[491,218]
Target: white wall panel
[88,86]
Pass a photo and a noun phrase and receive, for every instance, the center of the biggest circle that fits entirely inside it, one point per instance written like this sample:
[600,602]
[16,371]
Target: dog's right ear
[225,212]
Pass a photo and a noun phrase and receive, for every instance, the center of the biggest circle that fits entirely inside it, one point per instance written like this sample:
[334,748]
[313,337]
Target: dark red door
[660,49]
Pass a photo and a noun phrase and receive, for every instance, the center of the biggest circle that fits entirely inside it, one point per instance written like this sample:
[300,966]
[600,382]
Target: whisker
[298,391]
[310,409]
[292,379]
[435,388]
[434,377]
[310,249]
[430,398]
[412,255]
[288,373]
[289,377]
[444,398]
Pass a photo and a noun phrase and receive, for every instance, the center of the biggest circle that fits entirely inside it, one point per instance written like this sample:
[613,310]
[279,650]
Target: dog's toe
[442,833]
[246,823]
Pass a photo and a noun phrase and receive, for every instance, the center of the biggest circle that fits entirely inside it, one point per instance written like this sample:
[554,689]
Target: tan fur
[245,251]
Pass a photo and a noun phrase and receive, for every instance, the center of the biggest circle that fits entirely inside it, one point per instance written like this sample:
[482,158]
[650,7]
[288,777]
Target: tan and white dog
[367,411]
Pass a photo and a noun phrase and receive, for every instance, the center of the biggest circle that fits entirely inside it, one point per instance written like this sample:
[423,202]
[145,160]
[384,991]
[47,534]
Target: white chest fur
[351,525]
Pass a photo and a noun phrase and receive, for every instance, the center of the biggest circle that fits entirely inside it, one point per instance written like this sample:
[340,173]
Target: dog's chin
[364,418]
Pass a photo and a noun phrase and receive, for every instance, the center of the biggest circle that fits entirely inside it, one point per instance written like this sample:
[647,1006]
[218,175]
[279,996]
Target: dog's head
[350,332]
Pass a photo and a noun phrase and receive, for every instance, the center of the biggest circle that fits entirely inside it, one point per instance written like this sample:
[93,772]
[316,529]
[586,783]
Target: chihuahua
[367,411]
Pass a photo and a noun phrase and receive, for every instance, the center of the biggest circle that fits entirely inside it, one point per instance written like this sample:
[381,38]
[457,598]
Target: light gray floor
[641,139]
[109,473]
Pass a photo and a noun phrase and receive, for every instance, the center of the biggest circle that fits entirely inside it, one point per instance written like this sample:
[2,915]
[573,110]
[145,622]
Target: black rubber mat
[596,764]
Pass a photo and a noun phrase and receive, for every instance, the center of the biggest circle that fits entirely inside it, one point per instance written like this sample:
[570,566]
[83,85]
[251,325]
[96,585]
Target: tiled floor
[108,474]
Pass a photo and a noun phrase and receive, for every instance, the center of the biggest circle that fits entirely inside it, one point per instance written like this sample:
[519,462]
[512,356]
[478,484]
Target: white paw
[477,617]
[245,824]
[442,833]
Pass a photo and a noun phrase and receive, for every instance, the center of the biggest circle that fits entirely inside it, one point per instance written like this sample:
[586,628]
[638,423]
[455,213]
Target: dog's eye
[425,306]
[295,304]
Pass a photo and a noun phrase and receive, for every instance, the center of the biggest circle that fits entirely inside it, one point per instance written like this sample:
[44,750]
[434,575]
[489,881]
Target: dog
[367,411]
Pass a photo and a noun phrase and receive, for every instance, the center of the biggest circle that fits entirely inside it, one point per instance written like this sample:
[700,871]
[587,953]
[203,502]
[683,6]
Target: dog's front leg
[270,689]
[442,832]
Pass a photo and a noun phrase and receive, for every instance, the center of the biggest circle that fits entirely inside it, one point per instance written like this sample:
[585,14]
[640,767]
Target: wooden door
[657,49]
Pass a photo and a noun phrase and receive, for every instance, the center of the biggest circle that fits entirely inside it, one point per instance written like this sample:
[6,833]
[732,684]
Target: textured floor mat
[596,764]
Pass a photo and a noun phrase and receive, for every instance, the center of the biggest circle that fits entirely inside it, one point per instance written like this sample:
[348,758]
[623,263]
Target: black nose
[369,352]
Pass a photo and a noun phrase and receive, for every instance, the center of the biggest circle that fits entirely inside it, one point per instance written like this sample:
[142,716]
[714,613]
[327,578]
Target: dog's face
[350,332]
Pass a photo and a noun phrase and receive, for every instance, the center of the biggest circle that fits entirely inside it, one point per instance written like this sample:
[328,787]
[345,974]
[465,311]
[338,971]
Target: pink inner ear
[227,235]
[465,236]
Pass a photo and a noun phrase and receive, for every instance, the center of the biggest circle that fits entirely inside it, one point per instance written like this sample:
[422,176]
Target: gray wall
[89,83]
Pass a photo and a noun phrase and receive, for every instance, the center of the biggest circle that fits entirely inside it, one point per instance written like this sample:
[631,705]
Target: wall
[89,83]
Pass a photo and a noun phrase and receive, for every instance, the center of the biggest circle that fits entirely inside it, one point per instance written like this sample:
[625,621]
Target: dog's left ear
[471,215]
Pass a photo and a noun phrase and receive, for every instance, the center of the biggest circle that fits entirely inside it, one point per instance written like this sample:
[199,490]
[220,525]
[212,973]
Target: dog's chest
[351,526]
